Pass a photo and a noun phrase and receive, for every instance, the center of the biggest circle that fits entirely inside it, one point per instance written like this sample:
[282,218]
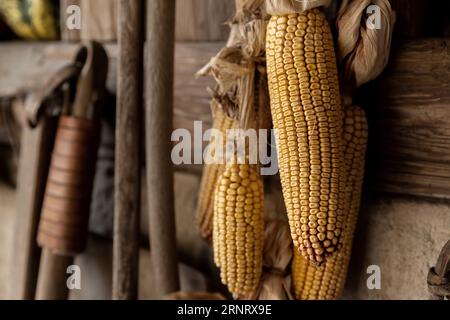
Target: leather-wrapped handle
[65,213]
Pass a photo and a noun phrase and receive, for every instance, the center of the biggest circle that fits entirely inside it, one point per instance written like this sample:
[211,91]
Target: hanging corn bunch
[307,114]
[238,227]
[238,198]
[327,281]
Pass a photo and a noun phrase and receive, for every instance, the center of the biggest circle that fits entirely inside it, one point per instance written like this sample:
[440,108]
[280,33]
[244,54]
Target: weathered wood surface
[128,153]
[191,100]
[411,122]
[159,84]
[203,20]
[26,66]
[99,20]
[196,20]
[33,169]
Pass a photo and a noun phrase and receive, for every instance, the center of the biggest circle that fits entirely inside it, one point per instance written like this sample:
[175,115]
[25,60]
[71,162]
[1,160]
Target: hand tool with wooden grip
[64,218]
[63,225]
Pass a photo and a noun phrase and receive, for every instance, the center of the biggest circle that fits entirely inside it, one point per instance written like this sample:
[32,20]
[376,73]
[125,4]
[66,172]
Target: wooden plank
[26,66]
[411,121]
[191,99]
[159,75]
[99,20]
[203,20]
[33,168]
[196,20]
[128,153]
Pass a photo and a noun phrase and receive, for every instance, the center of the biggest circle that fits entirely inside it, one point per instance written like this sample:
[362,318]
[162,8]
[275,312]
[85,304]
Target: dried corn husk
[241,90]
[239,66]
[275,281]
[364,51]
[284,7]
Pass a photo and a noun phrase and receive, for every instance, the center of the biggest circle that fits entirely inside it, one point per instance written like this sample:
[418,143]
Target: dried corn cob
[210,176]
[238,227]
[307,114]
[327,281]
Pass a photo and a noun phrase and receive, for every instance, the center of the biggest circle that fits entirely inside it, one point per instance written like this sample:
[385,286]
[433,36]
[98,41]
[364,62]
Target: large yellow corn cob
[307,114]
[238,227]
[327,281]
[211,173]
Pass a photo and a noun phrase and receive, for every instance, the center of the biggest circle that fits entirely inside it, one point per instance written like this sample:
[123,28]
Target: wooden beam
[410,122]
[159,73]
[128,153]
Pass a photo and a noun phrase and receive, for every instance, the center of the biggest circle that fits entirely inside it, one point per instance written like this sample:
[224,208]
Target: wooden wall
[407,107]
[203,20]
[410,121]
[421,18]
[197,20]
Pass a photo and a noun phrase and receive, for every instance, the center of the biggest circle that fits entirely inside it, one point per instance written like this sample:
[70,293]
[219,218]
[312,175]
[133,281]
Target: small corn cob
[307,116]
[327,281]
[210,176]
[238,227]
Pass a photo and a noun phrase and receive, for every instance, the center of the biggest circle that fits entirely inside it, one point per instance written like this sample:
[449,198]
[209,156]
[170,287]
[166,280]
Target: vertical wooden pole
[36,148]
[128,164]
[159,70]
[53,276]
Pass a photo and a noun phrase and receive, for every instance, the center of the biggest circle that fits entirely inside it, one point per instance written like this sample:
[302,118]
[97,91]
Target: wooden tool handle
[64,220]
